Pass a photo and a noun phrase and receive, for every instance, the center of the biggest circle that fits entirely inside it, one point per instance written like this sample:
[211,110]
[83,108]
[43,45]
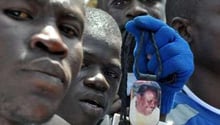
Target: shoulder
[187,111]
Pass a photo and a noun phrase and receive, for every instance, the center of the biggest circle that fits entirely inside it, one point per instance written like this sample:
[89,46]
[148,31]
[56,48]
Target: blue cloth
[175,53]
[186,111]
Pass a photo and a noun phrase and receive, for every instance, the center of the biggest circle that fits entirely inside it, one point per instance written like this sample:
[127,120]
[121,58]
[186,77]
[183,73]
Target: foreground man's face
[40,44]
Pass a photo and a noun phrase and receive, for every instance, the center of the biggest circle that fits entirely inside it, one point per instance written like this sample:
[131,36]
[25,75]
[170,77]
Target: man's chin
[30,118]
[38,114]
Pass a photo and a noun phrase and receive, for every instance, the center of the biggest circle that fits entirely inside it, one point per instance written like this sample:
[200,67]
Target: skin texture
[36,37]
[92,93]
[200,28]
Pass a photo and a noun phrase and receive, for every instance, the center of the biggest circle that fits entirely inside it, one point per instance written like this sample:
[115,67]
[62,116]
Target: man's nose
[97,82]
[49,40]
[137,9]
[152,104]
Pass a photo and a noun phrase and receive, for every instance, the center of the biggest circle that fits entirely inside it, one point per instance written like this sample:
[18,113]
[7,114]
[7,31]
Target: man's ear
[184,28]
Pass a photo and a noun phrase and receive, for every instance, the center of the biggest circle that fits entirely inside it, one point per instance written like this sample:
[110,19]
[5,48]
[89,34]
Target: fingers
[148,23]
[178,47]
[163,36]
[181,65]
[175,52]
[130,27]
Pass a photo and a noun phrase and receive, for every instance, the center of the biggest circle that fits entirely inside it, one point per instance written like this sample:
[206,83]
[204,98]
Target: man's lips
[96,100]
[93,105]
[49,67]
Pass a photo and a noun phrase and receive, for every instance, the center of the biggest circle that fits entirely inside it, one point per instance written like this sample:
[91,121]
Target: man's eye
[18,15]
[68,30]
[112,74]
[120,2]
[149,1]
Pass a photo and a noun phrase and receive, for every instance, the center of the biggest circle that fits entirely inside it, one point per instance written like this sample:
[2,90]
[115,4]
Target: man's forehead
[75,6]
[62,2]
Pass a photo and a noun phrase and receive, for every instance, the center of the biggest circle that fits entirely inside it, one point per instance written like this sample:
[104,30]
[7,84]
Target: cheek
[13,40]
[119,16]
[158,11]
[13,50]
[207,43]
[75,58]
[113,90]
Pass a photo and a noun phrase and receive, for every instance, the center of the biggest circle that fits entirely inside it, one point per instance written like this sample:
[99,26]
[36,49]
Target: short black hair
[152,87]
[143,88]
[181,8]
[100,25]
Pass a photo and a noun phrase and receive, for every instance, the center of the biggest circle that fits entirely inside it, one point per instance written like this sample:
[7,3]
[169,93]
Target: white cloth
[56,120]
[130,81]
[199,101]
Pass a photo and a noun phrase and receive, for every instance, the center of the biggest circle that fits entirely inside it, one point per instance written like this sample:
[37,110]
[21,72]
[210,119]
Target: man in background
[91,94]
[197,22]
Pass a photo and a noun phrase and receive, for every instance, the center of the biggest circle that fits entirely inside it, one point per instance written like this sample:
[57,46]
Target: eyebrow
[69,11]
[115,66]
[70,14]
[113,63]
[39,2]
[64,5]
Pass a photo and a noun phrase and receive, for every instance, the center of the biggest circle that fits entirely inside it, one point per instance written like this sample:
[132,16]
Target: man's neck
[206,85]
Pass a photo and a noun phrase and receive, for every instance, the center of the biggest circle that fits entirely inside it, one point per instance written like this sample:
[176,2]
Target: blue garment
[187,111]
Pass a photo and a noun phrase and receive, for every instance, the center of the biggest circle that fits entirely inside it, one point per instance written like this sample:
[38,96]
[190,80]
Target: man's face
[92,93]
[124,10]
[147,102]
[37,38]
[206,35]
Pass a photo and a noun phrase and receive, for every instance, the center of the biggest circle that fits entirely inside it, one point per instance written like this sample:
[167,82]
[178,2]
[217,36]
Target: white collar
[199,101]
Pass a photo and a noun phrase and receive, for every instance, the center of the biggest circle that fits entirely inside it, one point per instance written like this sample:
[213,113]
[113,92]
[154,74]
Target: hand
[175,53]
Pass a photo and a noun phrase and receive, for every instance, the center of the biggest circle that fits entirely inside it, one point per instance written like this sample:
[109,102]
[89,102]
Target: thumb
[131,28]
